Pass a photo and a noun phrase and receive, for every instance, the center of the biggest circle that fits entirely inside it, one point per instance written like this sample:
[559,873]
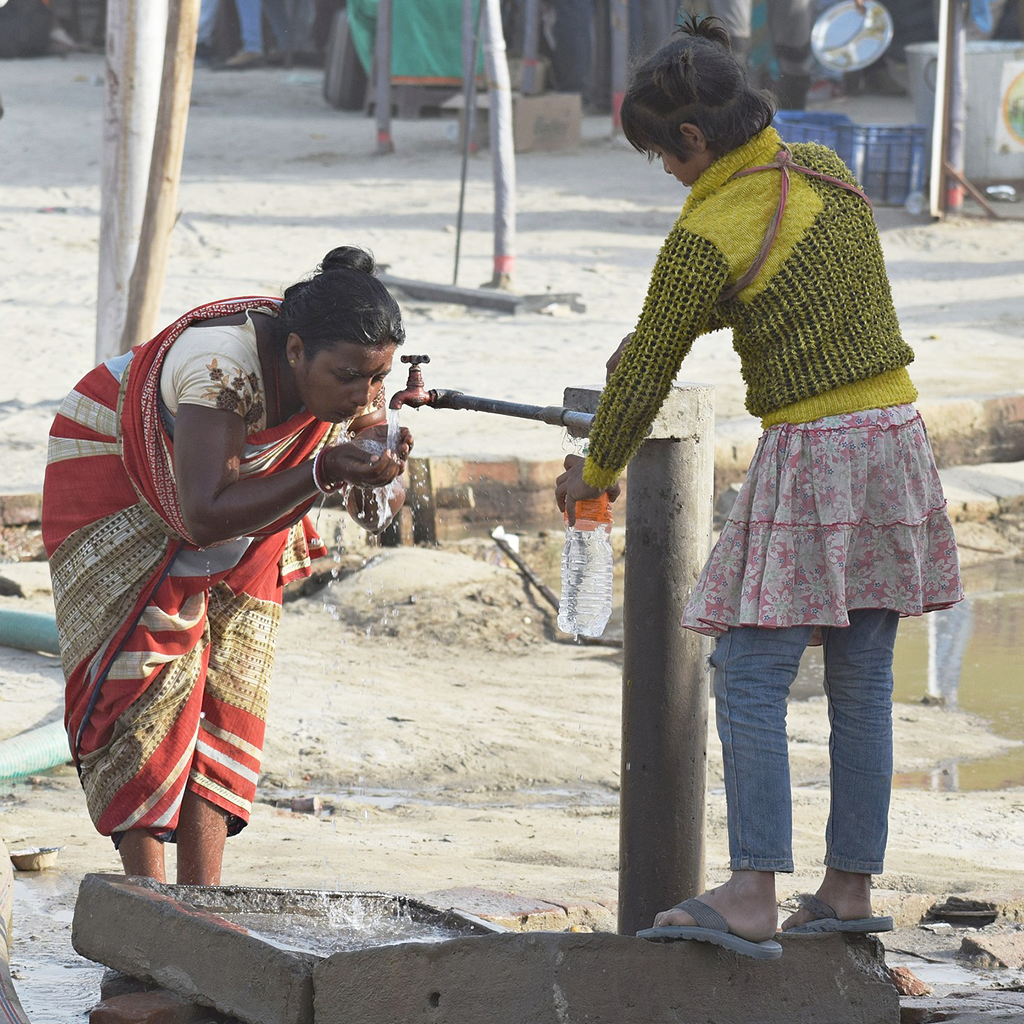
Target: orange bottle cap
[593,510]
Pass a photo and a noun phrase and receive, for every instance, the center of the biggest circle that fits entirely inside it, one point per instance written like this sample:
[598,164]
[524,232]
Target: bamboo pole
[147,280]
[134,53]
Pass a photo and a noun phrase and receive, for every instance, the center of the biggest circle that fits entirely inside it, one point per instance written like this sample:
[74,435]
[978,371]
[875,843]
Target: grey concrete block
[191,952]
[239,949]
[687,413]
[551,978]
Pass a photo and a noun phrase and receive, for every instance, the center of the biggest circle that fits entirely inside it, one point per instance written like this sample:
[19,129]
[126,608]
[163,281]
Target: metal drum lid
[847,39]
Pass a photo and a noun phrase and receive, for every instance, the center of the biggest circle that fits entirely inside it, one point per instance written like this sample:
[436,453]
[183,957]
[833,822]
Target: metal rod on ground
[664,681]
[470,51]
[382,82]
[146,286]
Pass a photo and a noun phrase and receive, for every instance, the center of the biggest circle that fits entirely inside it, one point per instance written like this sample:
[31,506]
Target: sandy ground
[453,741]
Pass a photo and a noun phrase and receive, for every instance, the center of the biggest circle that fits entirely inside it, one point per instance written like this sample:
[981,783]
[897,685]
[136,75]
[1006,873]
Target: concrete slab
[686,413]
[248,953]
[549,978]
[986,490]
[520,913]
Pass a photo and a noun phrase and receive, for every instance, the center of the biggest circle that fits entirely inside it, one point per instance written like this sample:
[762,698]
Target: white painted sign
[1009,136]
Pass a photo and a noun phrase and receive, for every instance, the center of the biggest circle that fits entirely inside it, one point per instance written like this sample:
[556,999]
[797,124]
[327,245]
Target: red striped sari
[167,648]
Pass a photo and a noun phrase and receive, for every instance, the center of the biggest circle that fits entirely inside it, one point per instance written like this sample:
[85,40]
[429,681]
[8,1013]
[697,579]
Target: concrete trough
[265,956]
[248,952]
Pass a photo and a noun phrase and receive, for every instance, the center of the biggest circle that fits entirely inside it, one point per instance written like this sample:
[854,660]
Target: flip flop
[827,920]
[710,927]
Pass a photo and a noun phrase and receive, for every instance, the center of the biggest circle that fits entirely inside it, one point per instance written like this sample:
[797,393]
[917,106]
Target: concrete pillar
[664,681]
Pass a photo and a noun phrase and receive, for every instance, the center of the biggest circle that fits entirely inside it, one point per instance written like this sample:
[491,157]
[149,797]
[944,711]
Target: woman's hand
[359,465]
[364,505]
[613,359]
[570,487]
[378,434]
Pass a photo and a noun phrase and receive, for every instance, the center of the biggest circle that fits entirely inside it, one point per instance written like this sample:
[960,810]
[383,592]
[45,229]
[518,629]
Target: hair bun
[710,28]
[348,257]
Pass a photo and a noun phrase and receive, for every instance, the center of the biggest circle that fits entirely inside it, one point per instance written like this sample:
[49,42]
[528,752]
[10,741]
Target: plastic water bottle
[586,602]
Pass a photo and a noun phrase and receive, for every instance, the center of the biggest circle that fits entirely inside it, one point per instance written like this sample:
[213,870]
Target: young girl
[840,527]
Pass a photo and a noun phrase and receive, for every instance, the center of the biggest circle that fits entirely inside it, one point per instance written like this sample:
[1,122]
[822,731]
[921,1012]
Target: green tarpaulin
[426,37]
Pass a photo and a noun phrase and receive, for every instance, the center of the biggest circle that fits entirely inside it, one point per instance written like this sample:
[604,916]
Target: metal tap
[414,394]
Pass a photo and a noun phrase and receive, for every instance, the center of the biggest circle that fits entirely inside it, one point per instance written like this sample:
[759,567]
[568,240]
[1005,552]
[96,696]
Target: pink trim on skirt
[840,513]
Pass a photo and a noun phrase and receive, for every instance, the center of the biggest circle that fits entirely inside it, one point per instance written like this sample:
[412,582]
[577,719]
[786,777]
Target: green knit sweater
[819,316]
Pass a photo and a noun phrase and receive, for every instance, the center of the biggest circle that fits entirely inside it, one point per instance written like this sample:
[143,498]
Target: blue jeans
[250,23]
[754,669]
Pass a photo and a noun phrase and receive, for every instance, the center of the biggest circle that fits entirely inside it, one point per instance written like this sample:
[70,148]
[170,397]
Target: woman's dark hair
[694,79]
[341,301]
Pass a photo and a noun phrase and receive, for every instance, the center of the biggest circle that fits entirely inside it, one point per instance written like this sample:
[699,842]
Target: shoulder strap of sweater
[783,163]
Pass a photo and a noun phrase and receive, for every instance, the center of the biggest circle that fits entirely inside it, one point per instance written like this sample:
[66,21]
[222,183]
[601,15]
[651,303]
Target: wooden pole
[150,270]
[136,31]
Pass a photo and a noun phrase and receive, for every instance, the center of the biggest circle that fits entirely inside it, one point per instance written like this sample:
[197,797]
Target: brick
[156,1007]
[907,982]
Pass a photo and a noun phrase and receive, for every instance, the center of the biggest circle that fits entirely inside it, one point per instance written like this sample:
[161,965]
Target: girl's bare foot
[746,901]
[847,893]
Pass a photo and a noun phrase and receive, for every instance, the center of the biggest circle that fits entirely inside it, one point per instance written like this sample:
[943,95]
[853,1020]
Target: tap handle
[415,359]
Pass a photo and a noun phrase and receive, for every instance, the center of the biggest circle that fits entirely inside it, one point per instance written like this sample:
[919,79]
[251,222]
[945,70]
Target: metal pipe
[664,680]
[382,83]
[557,415]
[618,14]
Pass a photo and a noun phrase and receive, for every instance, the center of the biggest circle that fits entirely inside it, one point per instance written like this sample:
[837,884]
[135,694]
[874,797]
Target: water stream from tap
[393,434]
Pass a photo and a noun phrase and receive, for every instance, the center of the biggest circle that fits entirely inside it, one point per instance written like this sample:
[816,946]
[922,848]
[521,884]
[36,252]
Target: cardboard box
[551,121]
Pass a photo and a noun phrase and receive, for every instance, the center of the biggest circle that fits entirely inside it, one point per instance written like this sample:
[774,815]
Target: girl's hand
[570,487]
[613,359]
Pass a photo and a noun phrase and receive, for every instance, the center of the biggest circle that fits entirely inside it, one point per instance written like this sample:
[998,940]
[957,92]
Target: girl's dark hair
[694,79]
[341,301]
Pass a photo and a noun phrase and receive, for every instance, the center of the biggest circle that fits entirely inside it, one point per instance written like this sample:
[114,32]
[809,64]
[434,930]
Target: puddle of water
[389,799]
[946,974]
[966,657]
[53,982]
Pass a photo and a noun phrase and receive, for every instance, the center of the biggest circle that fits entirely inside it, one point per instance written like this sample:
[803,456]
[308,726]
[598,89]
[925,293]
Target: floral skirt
[840,513]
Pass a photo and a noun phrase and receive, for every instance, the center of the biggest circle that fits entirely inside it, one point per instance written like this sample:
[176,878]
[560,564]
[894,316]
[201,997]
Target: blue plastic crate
[888,160]
[815,126]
